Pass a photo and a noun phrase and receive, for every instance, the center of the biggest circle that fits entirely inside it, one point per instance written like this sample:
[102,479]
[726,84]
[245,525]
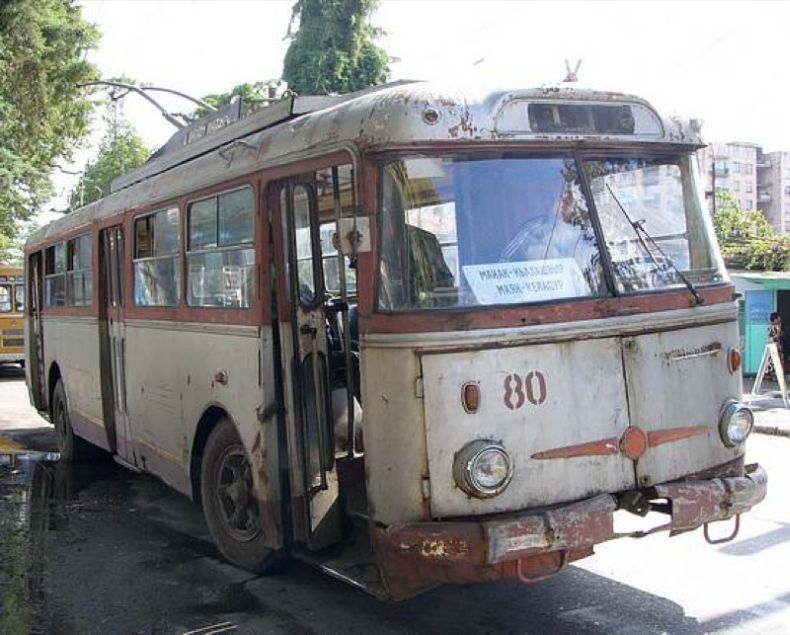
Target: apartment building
[731,167]
[757,179]
[773,187]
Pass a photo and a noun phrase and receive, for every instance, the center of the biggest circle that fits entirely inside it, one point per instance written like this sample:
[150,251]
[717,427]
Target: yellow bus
[12,307]
[412,335]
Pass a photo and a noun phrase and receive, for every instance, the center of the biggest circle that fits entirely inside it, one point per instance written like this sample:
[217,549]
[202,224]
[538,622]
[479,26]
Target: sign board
[771,360]
[529,281]
[759,306]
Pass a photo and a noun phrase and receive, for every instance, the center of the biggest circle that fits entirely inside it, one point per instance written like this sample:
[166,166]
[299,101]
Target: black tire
[70,446]
[229,504]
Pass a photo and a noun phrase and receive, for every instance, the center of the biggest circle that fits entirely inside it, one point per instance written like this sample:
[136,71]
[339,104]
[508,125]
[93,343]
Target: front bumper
[542,541]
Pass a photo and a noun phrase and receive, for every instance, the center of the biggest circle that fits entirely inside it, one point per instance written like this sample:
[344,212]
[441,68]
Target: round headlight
[736,423]
[483,468]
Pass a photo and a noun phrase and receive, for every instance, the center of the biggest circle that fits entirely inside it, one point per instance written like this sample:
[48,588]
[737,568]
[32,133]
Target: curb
[773,431]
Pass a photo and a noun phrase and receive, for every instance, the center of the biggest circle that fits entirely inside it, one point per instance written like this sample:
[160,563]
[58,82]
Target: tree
[333,50]
[252,94]
[747,240]
[43,111]
[120,151]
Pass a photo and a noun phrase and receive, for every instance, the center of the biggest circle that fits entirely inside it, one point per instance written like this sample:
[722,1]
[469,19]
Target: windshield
[655,230]
[484,231]
[473,232]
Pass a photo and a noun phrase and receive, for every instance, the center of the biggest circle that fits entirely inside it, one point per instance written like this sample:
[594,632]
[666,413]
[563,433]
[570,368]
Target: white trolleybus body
[409,335]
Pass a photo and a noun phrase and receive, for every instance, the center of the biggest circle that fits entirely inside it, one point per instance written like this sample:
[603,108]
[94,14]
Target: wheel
[70,446]
[229,503]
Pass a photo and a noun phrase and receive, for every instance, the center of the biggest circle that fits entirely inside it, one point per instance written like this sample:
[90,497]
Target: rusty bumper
[541,542]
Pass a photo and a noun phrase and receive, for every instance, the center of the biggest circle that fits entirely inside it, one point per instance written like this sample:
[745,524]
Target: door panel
[112,345]
[35,352]
[311,441]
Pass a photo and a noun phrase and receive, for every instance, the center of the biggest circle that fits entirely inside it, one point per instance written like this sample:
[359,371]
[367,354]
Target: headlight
[736,423]
[483,468]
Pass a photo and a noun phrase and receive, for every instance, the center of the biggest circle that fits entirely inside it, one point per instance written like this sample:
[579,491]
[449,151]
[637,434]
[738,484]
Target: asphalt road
[120,553]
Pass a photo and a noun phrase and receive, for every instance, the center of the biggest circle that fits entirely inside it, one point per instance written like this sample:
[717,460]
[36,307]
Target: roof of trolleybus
[401,115]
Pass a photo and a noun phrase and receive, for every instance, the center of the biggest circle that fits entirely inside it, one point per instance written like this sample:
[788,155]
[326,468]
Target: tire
[70,446]
[229,504]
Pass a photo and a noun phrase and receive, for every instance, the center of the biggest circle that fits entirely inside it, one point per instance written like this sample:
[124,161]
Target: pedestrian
[777,336]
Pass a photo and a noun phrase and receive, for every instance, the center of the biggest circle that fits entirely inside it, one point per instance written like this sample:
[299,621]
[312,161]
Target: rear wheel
[70,446]
[229,503]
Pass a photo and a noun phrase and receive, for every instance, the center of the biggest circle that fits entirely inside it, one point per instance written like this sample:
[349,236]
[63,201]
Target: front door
[35,351]
[112,343]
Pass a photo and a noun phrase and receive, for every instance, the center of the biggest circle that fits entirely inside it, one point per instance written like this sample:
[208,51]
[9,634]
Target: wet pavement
[95,548]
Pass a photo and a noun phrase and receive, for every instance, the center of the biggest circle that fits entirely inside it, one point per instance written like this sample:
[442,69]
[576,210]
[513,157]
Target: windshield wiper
[643,235]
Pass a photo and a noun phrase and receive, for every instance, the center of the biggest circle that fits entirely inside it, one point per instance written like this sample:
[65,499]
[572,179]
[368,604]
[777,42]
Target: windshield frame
[673,154]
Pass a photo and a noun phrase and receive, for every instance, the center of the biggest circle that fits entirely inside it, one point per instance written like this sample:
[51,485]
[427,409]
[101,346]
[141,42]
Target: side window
[335,190]
[220,255]
[19,297]
[157,280]
[5,298]
[55,275]
[79,275]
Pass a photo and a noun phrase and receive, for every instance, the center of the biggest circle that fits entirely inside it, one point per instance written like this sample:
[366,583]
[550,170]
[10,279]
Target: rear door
[113,343]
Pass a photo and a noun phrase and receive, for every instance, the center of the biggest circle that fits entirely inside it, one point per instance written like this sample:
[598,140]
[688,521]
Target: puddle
[37,491]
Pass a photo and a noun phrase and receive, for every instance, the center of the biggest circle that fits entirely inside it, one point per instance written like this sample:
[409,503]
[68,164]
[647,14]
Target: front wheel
[229,503]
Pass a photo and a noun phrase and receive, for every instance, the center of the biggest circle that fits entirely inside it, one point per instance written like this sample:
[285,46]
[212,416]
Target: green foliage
[333,50]
[254,93]
[747,240]
[43,111]
[120,151]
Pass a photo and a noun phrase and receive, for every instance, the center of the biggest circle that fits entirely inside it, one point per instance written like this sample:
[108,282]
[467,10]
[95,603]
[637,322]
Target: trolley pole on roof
[141,90]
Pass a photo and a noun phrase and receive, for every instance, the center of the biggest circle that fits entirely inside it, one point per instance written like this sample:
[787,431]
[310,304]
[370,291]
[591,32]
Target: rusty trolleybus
[409,335]
[12,306]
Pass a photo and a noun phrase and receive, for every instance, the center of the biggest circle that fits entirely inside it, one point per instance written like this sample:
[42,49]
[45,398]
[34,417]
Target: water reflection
[36,493]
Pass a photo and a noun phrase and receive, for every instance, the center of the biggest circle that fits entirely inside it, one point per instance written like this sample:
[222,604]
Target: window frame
[246,245]
[177,254]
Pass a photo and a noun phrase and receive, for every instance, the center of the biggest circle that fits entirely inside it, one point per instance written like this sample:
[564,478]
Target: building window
[79,275]
[157,281]
[748,168]
[787,190]
[748,204]
[749,187]
[736,186]
[735,167]
[221,258]
[55,275]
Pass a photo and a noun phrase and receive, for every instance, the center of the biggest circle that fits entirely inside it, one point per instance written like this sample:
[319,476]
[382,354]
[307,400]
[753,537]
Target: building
[731,167]
[773,186]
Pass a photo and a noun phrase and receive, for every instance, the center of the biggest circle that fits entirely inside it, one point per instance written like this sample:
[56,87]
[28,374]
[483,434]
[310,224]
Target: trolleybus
[12,306]
[411,335]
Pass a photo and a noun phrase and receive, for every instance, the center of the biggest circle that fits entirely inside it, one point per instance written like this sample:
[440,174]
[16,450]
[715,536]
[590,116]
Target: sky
[719,61]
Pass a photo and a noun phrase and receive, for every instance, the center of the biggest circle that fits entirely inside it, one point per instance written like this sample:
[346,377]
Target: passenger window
[5,298]
[55,275]
[220,256]
[79,276]
[157,279]
[304,244]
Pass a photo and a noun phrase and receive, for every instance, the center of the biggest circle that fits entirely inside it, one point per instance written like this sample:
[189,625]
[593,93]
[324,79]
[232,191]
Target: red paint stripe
[660,437]
[594,448]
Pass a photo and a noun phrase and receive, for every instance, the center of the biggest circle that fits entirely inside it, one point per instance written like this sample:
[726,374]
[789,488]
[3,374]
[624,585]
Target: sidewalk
[770,414]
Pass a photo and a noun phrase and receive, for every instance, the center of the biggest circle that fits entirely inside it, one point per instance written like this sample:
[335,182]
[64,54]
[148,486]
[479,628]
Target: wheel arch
[52,379]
